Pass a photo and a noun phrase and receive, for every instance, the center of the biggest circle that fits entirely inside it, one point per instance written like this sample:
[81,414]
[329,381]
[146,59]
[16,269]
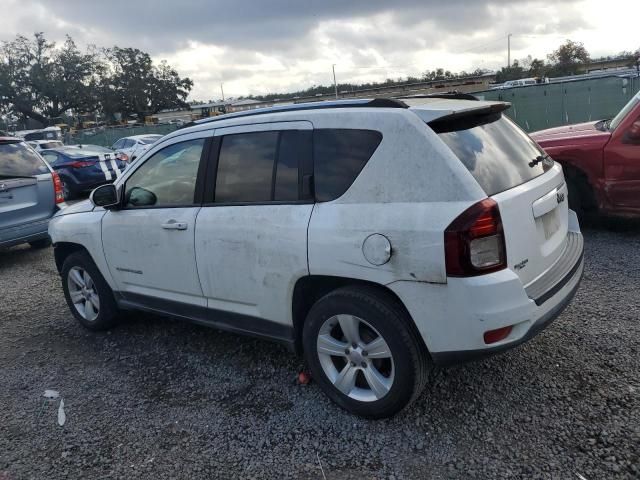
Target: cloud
[261,46]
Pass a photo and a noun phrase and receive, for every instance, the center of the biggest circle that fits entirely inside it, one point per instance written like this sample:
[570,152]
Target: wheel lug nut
[364,364]
[353,364]
[354,345]
[365,353]
[346,350]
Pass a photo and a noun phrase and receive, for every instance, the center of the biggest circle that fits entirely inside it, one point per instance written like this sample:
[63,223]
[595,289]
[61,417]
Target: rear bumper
[28,232]
[457,357]
[453,318]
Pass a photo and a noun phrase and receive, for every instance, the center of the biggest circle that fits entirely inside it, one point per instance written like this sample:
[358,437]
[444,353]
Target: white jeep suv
[377,237]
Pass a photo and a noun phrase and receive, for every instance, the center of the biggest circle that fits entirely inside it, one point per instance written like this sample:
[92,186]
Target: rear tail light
[57,188]
[474,242]
[81,164]
[122,156]
[494,336]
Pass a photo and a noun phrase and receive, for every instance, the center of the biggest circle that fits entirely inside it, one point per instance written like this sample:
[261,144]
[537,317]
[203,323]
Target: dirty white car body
[247,267]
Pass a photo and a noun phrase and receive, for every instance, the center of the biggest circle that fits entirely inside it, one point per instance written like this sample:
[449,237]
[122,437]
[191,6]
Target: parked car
[601,160]
[130,148]
[82,169]
[93,148]
[523,82]
[30,193]
[39,145]
[377,237]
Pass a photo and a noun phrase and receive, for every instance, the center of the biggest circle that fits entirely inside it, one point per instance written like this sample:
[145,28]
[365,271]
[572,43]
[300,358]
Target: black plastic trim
[227,321]
[556,276]
[463,356]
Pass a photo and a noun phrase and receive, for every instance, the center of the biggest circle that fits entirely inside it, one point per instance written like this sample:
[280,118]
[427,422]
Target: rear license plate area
[550,223]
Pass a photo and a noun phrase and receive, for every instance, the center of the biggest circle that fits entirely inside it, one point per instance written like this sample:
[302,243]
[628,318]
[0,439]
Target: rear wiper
[537,160]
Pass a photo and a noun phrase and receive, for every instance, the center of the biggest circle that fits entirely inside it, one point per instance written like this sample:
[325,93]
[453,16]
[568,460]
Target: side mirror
[105,196]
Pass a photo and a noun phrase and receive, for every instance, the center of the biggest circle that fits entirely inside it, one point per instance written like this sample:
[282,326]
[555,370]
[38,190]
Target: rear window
[18,160]
[338,157]
[46,145]
[498,153]
[149,140]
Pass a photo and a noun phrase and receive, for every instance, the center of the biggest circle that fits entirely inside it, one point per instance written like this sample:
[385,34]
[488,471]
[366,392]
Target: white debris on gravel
[51,394]
[62,417]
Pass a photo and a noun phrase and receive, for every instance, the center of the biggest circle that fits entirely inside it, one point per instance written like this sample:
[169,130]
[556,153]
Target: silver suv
[30,192]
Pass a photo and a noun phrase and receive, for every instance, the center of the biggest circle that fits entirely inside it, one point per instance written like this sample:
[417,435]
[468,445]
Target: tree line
[40,80]
[568,59]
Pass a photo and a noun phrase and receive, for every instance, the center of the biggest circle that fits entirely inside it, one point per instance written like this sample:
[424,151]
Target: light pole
[335,85]
[509,50]
[222,90]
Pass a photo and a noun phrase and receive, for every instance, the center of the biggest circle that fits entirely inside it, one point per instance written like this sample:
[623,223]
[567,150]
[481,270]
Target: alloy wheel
[82,292]
[355,358]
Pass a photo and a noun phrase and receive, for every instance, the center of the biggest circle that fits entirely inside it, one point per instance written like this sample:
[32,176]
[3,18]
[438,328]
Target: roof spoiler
[453,95]
[470,117]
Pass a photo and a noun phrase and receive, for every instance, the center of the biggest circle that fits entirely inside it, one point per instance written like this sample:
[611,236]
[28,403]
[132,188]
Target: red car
[601,162]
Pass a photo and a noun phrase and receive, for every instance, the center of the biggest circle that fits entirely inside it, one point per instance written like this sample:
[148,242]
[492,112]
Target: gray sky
[263,46]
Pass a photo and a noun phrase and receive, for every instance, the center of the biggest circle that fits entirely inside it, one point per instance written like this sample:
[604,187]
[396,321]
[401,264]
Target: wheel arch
[588,194]
[61,250]
[309,289]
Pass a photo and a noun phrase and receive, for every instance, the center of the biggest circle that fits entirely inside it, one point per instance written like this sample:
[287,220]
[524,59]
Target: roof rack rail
[453,95]
[350,103]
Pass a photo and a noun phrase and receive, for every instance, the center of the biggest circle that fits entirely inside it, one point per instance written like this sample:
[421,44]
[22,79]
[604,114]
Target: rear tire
[88,295]
[374,383]
[67,192]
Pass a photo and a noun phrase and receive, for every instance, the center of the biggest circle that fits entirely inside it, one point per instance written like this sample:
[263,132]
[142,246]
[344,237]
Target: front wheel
[364,352]
[87,293]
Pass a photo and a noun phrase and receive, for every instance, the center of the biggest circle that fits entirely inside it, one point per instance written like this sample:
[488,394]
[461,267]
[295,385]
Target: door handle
[173,225]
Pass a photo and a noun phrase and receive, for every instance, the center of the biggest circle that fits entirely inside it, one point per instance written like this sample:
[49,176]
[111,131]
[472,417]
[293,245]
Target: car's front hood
[577,134]
[80,207]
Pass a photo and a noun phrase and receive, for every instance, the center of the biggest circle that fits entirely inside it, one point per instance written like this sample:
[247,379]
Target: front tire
[88,295]
[364,352]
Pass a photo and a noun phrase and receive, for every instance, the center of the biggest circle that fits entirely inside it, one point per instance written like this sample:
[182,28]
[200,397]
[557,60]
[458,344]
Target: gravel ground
[157,398]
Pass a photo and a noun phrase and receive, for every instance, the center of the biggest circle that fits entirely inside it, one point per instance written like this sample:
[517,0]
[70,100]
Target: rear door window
[339,155]
[496,152]
[260,167]
[245,167]
[18,160]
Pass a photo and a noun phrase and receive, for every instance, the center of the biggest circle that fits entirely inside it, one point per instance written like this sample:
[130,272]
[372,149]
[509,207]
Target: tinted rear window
[46,145]
[338,157]
[245,167]
[18,160]
[498,153]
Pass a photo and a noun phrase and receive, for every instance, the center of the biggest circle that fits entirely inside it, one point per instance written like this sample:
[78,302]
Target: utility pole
[222,90]
[509,50]
[335,85]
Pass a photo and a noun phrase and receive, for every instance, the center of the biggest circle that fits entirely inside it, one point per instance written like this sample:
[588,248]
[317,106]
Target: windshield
[496,152]
[17,160]
[624,112]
